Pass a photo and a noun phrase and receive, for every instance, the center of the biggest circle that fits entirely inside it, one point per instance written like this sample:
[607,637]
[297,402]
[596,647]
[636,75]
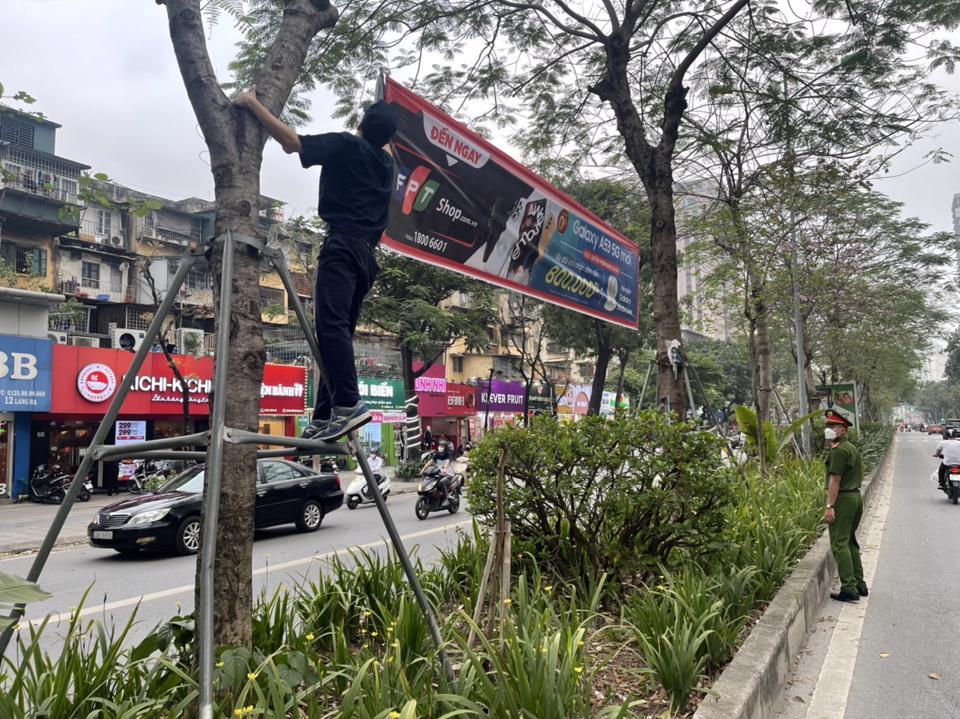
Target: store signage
[381,393]
[25,374]
[500,396]
[576,400]
[96,382]
[463,204]
[436,385]
[87,378]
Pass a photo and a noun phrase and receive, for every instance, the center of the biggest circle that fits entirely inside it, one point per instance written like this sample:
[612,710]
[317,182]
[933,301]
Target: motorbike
[48,484]
[359,492]
[438,491]
[145,473]
[951,483]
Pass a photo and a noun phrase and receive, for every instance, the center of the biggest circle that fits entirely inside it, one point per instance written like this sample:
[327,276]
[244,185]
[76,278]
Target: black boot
[862,590]
[843,596]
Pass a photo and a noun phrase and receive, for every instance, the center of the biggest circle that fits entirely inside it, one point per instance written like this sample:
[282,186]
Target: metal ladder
[214,439]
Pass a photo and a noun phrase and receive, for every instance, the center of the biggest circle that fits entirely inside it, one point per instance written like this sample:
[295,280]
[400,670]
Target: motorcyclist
[949,453]
[441,459]
[376,463]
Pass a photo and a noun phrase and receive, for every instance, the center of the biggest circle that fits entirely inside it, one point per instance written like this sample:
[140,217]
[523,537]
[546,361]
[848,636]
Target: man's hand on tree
[246,97]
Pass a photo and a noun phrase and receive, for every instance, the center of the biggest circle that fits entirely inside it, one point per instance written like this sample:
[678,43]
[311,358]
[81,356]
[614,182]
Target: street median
[751,685]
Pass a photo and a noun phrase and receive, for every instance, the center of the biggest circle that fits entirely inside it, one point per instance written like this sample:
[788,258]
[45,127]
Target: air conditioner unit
[59,338]
[117,240]
[125,339]
[84,341]
[190,342]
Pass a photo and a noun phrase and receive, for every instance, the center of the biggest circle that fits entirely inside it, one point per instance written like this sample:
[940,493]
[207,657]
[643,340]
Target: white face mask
[830,433]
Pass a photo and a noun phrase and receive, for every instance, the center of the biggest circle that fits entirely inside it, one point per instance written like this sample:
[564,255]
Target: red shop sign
[85,379]
[461,400]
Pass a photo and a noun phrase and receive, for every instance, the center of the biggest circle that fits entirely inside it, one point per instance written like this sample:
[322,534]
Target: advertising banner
[841,398]
[501,397]
[87,378]
[576,400]
[462,204]
[25,374]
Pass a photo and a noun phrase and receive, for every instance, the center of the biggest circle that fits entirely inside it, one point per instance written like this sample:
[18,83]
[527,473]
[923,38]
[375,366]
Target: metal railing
[35,182]
[98,289]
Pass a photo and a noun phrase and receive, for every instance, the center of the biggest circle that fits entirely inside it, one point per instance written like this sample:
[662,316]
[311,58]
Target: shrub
[600,496]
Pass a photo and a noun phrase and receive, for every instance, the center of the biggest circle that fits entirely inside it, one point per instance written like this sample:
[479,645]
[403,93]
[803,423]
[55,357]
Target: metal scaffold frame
[213,440]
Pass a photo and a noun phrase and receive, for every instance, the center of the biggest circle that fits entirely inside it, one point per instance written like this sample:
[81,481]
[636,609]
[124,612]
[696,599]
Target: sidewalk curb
[752,684]
[398,487]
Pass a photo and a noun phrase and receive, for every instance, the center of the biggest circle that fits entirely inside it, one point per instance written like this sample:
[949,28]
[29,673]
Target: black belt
[842,491]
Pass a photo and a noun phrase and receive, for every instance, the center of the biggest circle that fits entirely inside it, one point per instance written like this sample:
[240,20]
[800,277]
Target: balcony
[94,289]
[35,188]
[108,237]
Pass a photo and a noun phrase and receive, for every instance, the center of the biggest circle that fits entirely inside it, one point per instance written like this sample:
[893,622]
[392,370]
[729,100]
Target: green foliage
[776,439]
[616,496]
[14,590]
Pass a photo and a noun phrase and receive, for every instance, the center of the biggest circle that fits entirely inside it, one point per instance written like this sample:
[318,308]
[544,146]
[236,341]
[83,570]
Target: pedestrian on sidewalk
[355,185]
[844,507]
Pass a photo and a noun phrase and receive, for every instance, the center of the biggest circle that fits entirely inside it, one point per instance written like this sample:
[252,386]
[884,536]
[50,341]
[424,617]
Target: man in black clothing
[355,186]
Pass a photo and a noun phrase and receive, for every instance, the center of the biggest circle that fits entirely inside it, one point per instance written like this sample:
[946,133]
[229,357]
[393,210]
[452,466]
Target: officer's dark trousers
[346,269]
[843,540]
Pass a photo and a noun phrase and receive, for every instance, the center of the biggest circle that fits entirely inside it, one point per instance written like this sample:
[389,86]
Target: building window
[31,261]
[103,222]
[90,275]
[270,297]
[198,280]
[116,280]
[16,131]
[457,363]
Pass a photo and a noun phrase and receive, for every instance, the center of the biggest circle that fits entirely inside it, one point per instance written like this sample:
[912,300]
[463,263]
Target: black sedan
[287,493]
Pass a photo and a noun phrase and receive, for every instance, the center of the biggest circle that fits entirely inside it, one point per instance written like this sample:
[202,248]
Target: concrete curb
[752,684]
[31,545]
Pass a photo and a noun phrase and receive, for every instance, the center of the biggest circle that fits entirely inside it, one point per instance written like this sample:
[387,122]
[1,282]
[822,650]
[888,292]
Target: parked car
[934,429]
[169,519]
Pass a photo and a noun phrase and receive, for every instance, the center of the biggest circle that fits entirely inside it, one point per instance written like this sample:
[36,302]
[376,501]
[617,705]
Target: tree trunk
[410,450]
[764,358]
[235,141]
[604,353]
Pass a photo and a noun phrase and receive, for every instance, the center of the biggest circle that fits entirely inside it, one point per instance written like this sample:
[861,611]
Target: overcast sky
[105,71]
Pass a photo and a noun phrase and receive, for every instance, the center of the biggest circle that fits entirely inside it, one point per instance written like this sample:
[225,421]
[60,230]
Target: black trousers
[346,269]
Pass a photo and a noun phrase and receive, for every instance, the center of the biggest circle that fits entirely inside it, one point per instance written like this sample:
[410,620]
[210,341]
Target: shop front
[86,379]
[499,402]
[447,413]
[25,388]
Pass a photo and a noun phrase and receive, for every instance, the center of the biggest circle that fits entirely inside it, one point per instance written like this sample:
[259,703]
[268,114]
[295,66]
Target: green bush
[617,496]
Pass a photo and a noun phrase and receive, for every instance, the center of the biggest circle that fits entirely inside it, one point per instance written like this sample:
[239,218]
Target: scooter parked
[48,484]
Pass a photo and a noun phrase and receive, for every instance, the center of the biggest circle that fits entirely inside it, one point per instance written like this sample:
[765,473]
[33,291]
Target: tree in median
[235,141]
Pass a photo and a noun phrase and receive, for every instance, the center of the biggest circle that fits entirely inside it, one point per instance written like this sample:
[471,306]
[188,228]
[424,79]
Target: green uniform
[844,460]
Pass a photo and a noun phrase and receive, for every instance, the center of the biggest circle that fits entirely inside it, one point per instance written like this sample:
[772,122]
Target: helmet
[374,451]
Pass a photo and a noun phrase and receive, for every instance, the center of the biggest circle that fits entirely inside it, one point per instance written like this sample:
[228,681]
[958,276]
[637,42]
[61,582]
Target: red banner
[463,204]
[85,380]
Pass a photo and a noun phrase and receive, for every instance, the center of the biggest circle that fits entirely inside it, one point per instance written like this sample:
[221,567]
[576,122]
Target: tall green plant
[14,590]
[774,440]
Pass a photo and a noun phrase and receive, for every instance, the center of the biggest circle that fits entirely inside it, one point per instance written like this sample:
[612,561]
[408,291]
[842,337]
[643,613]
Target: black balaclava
[379,123]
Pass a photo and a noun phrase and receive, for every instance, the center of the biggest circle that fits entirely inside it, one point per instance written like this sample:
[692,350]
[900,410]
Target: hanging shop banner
[381,394]
[500,396]
[463,204]
[842,398]
[86,379]
[25,371]
[543,399]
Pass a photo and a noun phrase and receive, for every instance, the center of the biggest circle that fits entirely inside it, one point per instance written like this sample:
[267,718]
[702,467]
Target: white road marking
[185,588]
[833,685]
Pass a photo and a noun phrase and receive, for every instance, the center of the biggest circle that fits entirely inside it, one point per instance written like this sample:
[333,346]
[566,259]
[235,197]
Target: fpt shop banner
[462,204]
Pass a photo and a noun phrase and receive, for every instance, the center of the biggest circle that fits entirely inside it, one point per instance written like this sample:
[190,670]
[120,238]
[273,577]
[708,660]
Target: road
[881,658]
[163,585]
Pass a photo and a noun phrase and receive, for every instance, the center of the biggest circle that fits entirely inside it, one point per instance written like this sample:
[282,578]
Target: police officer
[844,507]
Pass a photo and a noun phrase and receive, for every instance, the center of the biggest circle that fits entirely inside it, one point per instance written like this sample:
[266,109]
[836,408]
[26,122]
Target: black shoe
[345,420]
[314,428]
[862,589]
[842,596]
